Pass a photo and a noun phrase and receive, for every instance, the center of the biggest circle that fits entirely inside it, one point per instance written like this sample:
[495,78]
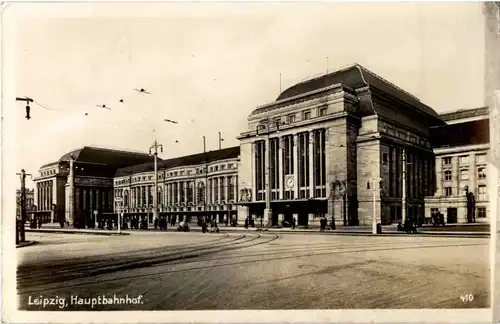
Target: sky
[208,65]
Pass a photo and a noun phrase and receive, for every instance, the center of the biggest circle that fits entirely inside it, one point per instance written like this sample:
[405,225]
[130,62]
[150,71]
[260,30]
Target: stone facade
[368,123]
[462,166]
[202,189]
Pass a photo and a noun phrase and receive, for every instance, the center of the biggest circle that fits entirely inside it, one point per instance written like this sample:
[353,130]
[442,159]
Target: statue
[471,206]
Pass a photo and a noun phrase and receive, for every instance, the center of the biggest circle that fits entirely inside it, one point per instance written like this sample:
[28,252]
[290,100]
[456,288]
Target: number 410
[467,298]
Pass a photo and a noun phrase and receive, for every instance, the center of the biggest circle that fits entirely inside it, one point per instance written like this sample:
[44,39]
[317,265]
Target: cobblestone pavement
[229,271]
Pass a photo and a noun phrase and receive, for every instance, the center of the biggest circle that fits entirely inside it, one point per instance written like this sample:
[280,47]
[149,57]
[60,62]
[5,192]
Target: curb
[25,244]
[75,232]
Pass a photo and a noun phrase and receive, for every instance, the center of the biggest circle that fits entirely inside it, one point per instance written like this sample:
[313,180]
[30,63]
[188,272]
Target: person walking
[246,223]
[293,223]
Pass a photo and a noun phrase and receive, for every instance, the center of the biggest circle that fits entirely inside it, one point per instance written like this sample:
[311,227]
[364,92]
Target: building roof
[211,156]
[354,77]
[103,156]
[460,134]
[465,113]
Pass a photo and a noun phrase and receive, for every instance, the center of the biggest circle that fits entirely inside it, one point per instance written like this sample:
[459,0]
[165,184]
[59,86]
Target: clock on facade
[289,181]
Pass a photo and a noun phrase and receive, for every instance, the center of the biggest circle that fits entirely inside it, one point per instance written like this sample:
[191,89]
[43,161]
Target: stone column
[311,164]
[254,169]
[281,184]
[295,165]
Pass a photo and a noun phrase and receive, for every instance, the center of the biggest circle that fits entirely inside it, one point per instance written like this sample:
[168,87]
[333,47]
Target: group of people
[213,225]
[249,221]
[162,223]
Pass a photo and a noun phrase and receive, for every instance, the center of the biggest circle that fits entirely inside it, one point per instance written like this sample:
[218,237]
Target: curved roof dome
[354,77]
[111,158]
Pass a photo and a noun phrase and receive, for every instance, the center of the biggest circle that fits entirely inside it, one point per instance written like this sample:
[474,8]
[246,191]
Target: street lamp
[267,123]
[374,188]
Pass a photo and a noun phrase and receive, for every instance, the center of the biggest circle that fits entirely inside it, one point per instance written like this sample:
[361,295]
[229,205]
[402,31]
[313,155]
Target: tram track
[117,255]
[27,280]
[119,259]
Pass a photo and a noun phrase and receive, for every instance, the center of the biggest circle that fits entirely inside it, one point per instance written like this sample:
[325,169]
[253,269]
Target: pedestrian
[293,223]
[246,223]
[156,223]
[261,221]
[39,222]
[226,220]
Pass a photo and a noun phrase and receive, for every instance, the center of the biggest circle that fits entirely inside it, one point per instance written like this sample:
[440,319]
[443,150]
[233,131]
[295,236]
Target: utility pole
[403,196]
[22,209]
[267,161]
[220,141]
[155,147]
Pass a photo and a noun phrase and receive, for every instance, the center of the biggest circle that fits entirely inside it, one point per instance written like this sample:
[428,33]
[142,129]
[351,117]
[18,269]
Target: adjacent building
[79,183]
[461,148]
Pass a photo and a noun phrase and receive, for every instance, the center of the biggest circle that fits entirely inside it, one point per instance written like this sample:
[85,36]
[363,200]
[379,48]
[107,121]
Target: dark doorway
[288,214]
[303,218]
[452,216]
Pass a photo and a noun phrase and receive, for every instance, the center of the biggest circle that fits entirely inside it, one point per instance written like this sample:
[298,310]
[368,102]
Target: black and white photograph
[257,161]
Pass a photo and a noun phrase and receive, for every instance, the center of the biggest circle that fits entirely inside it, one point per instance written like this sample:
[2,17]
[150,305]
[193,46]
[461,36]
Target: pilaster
[311,164]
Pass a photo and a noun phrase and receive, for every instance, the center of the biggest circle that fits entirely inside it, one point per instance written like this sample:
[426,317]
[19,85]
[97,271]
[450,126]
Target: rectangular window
[463,160]
[385,158]
[306,115]
[291,118]
[481,212]
[481,159]
[447,191]
[274,167]
[322,111]
[464,174]
[222,189]
[259,155]
[481,173]
[447,175]
[230,188]
[481,192]
[216,189]
[447,161]
[319,160]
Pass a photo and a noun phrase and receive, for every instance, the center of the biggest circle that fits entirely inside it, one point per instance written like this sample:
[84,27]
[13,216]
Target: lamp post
[267,161]
[155,147]
[374,191]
